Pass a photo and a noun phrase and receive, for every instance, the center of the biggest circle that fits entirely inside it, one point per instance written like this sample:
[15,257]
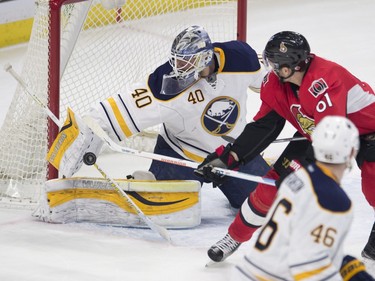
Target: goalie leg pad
[172,204]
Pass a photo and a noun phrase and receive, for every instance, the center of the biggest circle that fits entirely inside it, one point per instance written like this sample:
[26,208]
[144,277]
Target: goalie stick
[180,162]
[163,232]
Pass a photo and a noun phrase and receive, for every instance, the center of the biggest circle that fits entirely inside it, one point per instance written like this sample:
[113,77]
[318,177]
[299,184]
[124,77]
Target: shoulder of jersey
[155,81]
[322,69]
[271,79]
[328,192]
[237,56]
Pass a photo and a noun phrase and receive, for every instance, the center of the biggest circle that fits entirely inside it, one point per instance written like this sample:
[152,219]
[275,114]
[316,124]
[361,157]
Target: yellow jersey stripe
[193,156]
[308,274]
[222,59]
[120,120]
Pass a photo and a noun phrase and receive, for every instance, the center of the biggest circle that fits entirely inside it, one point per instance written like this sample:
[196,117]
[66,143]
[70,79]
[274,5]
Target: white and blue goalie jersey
[194,120]
[303,236]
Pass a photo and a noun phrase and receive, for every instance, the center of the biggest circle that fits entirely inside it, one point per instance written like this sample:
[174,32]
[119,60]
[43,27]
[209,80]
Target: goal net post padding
[81,53]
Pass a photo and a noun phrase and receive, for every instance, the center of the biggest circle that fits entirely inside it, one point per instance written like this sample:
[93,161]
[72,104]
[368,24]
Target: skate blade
[212,263]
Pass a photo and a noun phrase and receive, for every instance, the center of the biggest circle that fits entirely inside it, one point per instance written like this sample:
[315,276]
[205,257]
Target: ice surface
[341,30]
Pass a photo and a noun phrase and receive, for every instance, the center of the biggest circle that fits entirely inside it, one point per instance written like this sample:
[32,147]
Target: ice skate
[223,248]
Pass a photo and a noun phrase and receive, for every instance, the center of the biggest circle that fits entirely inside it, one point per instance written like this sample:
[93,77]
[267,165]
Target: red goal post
[80,53]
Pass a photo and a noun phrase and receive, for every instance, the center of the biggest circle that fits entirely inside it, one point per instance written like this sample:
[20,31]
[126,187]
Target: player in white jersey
[303,236]
[198,96]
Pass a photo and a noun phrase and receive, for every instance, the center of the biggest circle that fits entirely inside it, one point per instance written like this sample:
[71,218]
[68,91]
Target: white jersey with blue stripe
[303,236]
[195,119]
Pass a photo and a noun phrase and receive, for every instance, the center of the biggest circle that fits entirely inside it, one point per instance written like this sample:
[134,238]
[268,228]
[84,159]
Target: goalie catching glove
[71,144]
[221,158]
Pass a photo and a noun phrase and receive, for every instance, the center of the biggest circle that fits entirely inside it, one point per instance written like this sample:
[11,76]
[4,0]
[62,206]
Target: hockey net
[100,50]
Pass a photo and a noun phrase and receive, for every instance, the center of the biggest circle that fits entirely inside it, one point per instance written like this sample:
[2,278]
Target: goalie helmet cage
[80,53]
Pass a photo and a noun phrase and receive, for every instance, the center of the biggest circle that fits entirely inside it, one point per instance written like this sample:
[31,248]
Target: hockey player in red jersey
[302,88]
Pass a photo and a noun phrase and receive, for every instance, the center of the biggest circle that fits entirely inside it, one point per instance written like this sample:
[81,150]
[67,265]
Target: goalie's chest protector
[196,119]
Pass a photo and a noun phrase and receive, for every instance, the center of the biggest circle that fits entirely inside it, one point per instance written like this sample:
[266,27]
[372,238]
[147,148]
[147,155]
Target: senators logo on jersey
[306,123]
[220,116]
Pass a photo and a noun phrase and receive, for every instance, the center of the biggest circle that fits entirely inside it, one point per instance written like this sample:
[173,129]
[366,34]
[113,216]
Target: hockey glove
[71,144]
[367,149]
[354,270]
[221,158]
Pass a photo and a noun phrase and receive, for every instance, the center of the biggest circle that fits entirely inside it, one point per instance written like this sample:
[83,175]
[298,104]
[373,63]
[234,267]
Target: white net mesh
[100,54]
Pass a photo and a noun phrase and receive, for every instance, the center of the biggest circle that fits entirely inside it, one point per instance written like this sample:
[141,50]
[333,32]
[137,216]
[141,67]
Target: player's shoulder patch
[294,183]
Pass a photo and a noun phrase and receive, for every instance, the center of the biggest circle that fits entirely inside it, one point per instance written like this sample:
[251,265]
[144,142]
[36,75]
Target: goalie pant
[319,225]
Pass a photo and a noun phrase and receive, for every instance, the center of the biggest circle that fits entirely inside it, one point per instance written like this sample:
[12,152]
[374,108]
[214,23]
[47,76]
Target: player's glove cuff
[353,269]
[221,158]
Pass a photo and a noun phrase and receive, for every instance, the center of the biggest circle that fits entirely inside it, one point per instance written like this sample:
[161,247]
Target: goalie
[198,96]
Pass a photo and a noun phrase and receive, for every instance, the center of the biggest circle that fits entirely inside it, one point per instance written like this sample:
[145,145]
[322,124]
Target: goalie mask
[191,52]
[334,139]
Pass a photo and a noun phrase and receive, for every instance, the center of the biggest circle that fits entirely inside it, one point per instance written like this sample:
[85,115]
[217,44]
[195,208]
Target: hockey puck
[89,158]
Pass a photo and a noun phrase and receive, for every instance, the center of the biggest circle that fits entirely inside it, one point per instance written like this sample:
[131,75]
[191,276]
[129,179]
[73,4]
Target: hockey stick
[163,232]
[231,140]
[180,162]
[157,228]
[289,139]
[8,68]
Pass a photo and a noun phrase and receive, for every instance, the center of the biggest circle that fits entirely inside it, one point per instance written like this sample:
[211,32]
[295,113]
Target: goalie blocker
[169,203]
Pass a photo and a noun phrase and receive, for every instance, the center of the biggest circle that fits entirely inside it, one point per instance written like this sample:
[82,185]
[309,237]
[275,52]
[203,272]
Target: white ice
[341,30]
